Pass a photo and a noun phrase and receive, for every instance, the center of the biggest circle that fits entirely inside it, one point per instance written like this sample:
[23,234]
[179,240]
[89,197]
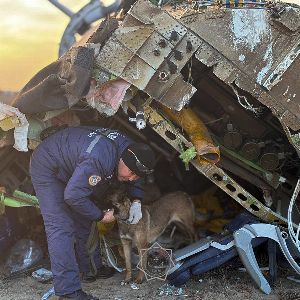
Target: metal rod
[62,8]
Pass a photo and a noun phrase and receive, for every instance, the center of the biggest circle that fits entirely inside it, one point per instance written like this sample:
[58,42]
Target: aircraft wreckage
[217,81]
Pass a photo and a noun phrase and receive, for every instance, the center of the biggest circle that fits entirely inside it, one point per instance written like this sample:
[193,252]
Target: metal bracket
[222,247]
[243,238]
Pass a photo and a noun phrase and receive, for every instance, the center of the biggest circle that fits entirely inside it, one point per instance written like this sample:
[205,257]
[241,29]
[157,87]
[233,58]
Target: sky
[30,31]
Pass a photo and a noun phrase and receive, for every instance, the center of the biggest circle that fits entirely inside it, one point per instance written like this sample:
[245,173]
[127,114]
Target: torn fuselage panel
[151,55]
[256,51]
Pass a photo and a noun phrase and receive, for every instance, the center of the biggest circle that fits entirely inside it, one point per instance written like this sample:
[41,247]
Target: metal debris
[150,56]
[295,278]
[48,294]
[214,173]
[134,286]
[42,275]
[170,290]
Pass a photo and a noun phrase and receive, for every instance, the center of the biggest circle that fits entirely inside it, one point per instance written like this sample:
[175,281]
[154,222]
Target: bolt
[174,36]
[156,52]
[163,76]
[189,46]
[178,55]
[162,43]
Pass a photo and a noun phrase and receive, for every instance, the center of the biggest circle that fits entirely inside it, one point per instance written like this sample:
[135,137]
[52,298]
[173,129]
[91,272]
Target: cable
[294,237]
[111,255]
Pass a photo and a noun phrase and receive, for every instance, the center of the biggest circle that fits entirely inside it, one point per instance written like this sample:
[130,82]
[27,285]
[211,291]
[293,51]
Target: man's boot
[102,272]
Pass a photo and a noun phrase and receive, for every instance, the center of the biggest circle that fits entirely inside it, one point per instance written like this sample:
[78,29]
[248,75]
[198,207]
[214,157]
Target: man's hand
[135,212]
[108,216]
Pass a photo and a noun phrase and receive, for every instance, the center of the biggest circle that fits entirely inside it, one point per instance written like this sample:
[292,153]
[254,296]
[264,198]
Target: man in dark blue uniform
[65,170]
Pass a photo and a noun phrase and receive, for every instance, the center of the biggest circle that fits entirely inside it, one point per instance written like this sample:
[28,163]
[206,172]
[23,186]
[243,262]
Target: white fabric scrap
[21,129]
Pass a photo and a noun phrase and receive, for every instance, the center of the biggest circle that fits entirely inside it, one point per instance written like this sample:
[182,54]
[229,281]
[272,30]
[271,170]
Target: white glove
[135,212]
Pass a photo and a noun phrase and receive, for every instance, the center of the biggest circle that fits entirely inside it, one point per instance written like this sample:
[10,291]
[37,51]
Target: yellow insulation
[189,121]
[8,123]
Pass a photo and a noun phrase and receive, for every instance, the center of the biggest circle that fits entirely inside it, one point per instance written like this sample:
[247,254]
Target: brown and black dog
[174,207]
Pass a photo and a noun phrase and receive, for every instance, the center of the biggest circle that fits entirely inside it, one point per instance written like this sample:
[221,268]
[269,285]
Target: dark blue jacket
[82,157]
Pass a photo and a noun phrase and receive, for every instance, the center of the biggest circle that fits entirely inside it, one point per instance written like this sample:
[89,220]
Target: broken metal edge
[229,73]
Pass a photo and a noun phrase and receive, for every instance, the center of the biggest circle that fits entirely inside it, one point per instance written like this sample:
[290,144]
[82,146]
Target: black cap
[139,158]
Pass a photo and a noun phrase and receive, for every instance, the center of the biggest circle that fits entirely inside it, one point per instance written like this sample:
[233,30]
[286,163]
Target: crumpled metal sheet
[138,72]
[157,86]
[113,56]
[178,95]
[149,50]
[256,51]
[169,88]
[166,25]
[251,48]
[183,52]
[133,37]
[144,11]
[287,93]
[290,18]
[276,76]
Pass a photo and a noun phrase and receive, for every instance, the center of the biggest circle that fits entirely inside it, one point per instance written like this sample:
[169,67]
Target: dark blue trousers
[67,232]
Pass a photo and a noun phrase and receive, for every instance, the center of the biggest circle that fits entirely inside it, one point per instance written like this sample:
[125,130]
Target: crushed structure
[215,81]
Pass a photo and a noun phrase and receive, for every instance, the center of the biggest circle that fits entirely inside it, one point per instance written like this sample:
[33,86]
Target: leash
[91,245]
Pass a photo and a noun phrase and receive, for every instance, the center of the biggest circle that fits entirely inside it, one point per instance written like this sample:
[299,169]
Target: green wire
[19,199]
[187,156]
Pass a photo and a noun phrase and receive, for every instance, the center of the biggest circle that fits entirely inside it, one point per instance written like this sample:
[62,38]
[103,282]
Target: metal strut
[162,126]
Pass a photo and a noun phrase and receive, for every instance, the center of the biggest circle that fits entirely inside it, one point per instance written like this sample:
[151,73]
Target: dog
[174,207]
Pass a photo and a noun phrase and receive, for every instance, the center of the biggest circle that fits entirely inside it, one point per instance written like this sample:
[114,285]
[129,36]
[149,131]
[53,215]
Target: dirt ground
[226,283]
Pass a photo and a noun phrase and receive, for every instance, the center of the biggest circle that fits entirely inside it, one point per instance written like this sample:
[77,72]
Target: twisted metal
[294,235]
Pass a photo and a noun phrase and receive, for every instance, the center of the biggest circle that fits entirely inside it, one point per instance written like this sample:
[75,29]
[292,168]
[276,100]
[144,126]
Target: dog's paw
[139,279]
[127,280]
